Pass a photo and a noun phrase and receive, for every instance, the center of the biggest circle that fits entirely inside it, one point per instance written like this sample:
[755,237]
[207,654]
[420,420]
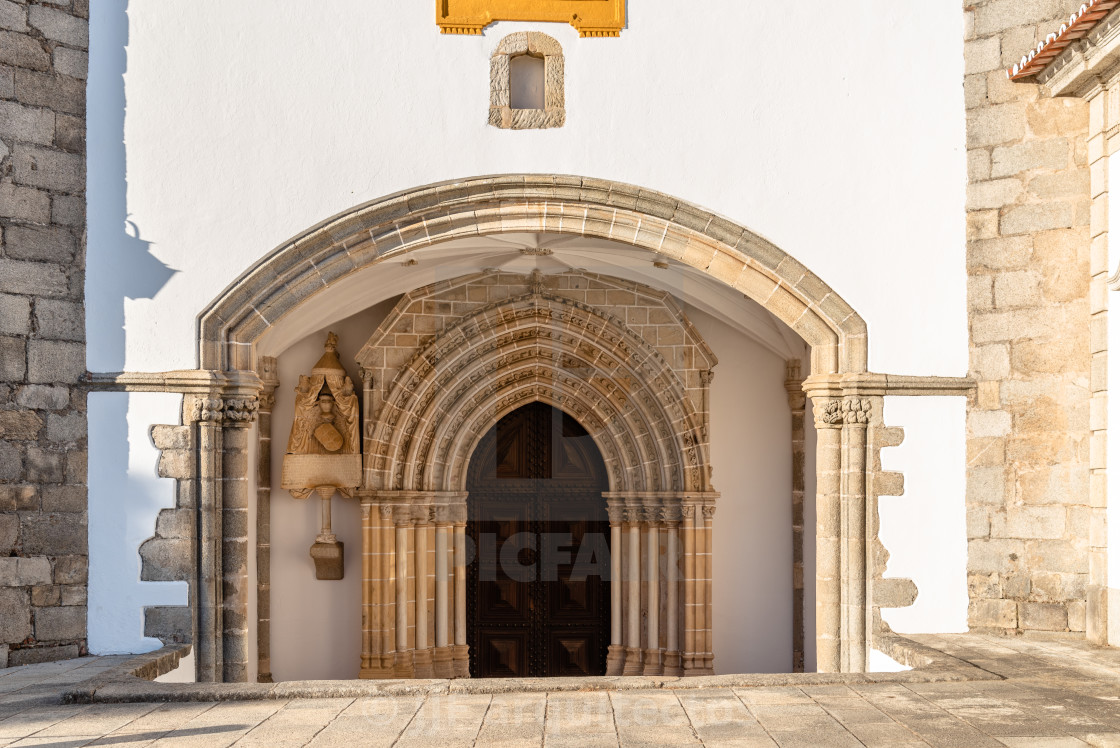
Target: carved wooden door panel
[538,597]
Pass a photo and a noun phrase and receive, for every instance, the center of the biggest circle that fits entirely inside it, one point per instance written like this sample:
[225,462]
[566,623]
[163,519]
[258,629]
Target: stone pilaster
[797,400]
[828,421]
[855,561]
[268,375]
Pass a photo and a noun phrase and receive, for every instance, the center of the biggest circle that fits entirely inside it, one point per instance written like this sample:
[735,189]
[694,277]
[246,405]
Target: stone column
[704,535]
[460,654]
[267,372]
[672,643]
[855,593]
[386,591]
[616,652]
[422,657]
[238,415]
[207,587]
[403,660]
[441,656]
[797,399]
[688,664]
[634,597]
[652,655]
[828,420]
[371,582]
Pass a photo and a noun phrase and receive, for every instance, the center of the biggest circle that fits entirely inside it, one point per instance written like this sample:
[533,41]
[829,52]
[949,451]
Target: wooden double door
[538,595]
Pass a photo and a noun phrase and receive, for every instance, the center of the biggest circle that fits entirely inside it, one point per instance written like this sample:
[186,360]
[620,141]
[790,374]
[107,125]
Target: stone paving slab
[1037,694]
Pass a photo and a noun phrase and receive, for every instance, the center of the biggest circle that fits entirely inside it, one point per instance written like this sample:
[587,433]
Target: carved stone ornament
[241,410]
[857,411]
[207,409]
[827,413]
[324,449]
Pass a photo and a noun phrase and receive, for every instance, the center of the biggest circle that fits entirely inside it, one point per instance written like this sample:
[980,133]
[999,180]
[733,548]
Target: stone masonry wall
[43,548]
[1028,213]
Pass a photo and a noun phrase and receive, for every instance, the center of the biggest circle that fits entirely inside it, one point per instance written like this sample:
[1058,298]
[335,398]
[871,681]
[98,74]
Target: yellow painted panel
[589,17]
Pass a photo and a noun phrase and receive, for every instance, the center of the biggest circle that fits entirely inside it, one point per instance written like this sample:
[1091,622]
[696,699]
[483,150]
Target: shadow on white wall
[125,495]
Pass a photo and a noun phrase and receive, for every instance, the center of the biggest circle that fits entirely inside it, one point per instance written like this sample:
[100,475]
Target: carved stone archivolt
[448,363]
[647,417]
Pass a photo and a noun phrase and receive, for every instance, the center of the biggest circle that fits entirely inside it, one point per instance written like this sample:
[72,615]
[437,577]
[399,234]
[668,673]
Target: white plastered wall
[752,539]
[316,624]
[924,529]
[201,163]
[125,496]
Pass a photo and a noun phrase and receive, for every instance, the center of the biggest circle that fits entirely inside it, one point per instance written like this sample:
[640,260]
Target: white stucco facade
[218,131]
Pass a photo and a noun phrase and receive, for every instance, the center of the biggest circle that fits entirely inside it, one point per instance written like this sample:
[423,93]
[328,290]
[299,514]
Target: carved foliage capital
[828,413]
[857,411]
[238,411]
[207,409]
[241,409]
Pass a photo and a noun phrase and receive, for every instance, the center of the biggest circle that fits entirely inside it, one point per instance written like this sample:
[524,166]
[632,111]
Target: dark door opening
[538,590]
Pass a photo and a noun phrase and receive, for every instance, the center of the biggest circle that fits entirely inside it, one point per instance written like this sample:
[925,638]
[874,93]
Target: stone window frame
[534,43]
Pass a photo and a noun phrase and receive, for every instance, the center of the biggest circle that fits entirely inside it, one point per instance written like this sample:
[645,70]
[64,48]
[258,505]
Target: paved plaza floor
[1051,693]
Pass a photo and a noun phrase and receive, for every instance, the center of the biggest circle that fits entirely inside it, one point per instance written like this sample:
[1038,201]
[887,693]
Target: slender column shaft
[633,637]
[671,639]
[387,590]
[459,657]
[441,585]
[616,585]
[208,665]
[402,588]
[421,580]
[689,654]
[828,541]
[460,585]
[855,620]
[653,601]
[707,587]
[371,635]
[633,608]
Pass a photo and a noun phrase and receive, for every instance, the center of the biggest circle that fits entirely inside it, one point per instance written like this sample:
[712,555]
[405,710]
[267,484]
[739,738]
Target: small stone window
[527,82]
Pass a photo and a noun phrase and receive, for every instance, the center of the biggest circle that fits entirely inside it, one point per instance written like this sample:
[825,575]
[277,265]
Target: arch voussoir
[406,221]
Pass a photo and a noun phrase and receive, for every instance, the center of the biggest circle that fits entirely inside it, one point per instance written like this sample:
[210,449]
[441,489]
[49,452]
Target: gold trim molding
[592,18]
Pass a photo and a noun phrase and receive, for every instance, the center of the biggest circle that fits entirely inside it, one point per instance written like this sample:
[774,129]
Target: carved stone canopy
[324,447]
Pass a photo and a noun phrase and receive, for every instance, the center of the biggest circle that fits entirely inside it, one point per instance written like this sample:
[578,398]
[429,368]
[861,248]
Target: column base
[460,657]
[402,664]
[673,663]
[422,664]
[616,656]
[633,664]
[442,666]
[652,664]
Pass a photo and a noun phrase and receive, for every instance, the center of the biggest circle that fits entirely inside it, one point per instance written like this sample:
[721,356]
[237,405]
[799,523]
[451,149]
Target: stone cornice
[186,382]
[853,385]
